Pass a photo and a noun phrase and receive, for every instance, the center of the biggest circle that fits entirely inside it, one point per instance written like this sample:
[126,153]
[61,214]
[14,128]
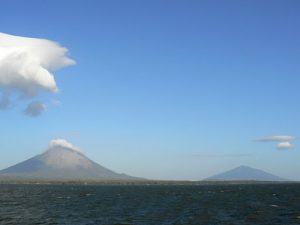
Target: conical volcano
[62,161]
[245,173]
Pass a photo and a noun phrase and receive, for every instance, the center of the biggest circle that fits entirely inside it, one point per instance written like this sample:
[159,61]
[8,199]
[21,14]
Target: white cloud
[281,138]
[63,143]
[26,66]
[34,109]
[283,141]
[284,145]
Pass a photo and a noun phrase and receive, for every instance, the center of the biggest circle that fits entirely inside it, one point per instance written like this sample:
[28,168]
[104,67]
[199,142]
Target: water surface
[182,204]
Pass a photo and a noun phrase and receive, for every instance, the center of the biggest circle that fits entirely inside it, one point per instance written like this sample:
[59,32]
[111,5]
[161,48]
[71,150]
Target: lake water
[198,204]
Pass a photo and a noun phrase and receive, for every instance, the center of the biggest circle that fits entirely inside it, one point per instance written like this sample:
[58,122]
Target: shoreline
[138,182]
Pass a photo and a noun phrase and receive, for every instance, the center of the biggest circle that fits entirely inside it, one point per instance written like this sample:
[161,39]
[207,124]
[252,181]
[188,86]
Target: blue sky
[164,89]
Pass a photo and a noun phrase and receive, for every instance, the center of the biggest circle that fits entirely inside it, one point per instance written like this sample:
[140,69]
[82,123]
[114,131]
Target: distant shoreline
[135,182]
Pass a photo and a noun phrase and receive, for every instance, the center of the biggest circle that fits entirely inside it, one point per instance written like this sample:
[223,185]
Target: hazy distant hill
[62,163]
[245,173]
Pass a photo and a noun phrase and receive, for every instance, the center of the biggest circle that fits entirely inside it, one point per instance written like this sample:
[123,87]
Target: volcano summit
[62,161]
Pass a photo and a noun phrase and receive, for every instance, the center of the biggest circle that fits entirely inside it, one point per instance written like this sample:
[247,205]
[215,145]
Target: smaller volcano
[245,173]
[62,161]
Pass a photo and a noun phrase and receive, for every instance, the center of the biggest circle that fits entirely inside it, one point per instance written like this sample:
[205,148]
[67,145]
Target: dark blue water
[218,204]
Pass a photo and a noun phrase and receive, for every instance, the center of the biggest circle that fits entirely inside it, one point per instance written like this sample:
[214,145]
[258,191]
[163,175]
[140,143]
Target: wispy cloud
[26,66]
[233,155]
[55,102]
[277,138]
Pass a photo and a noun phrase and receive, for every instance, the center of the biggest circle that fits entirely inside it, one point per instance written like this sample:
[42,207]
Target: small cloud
[55,102]
[4,101]
[35,109]
[284,145]
[63,143]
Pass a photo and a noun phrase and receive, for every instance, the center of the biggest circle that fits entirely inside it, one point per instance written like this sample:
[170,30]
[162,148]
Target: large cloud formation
[26,66]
